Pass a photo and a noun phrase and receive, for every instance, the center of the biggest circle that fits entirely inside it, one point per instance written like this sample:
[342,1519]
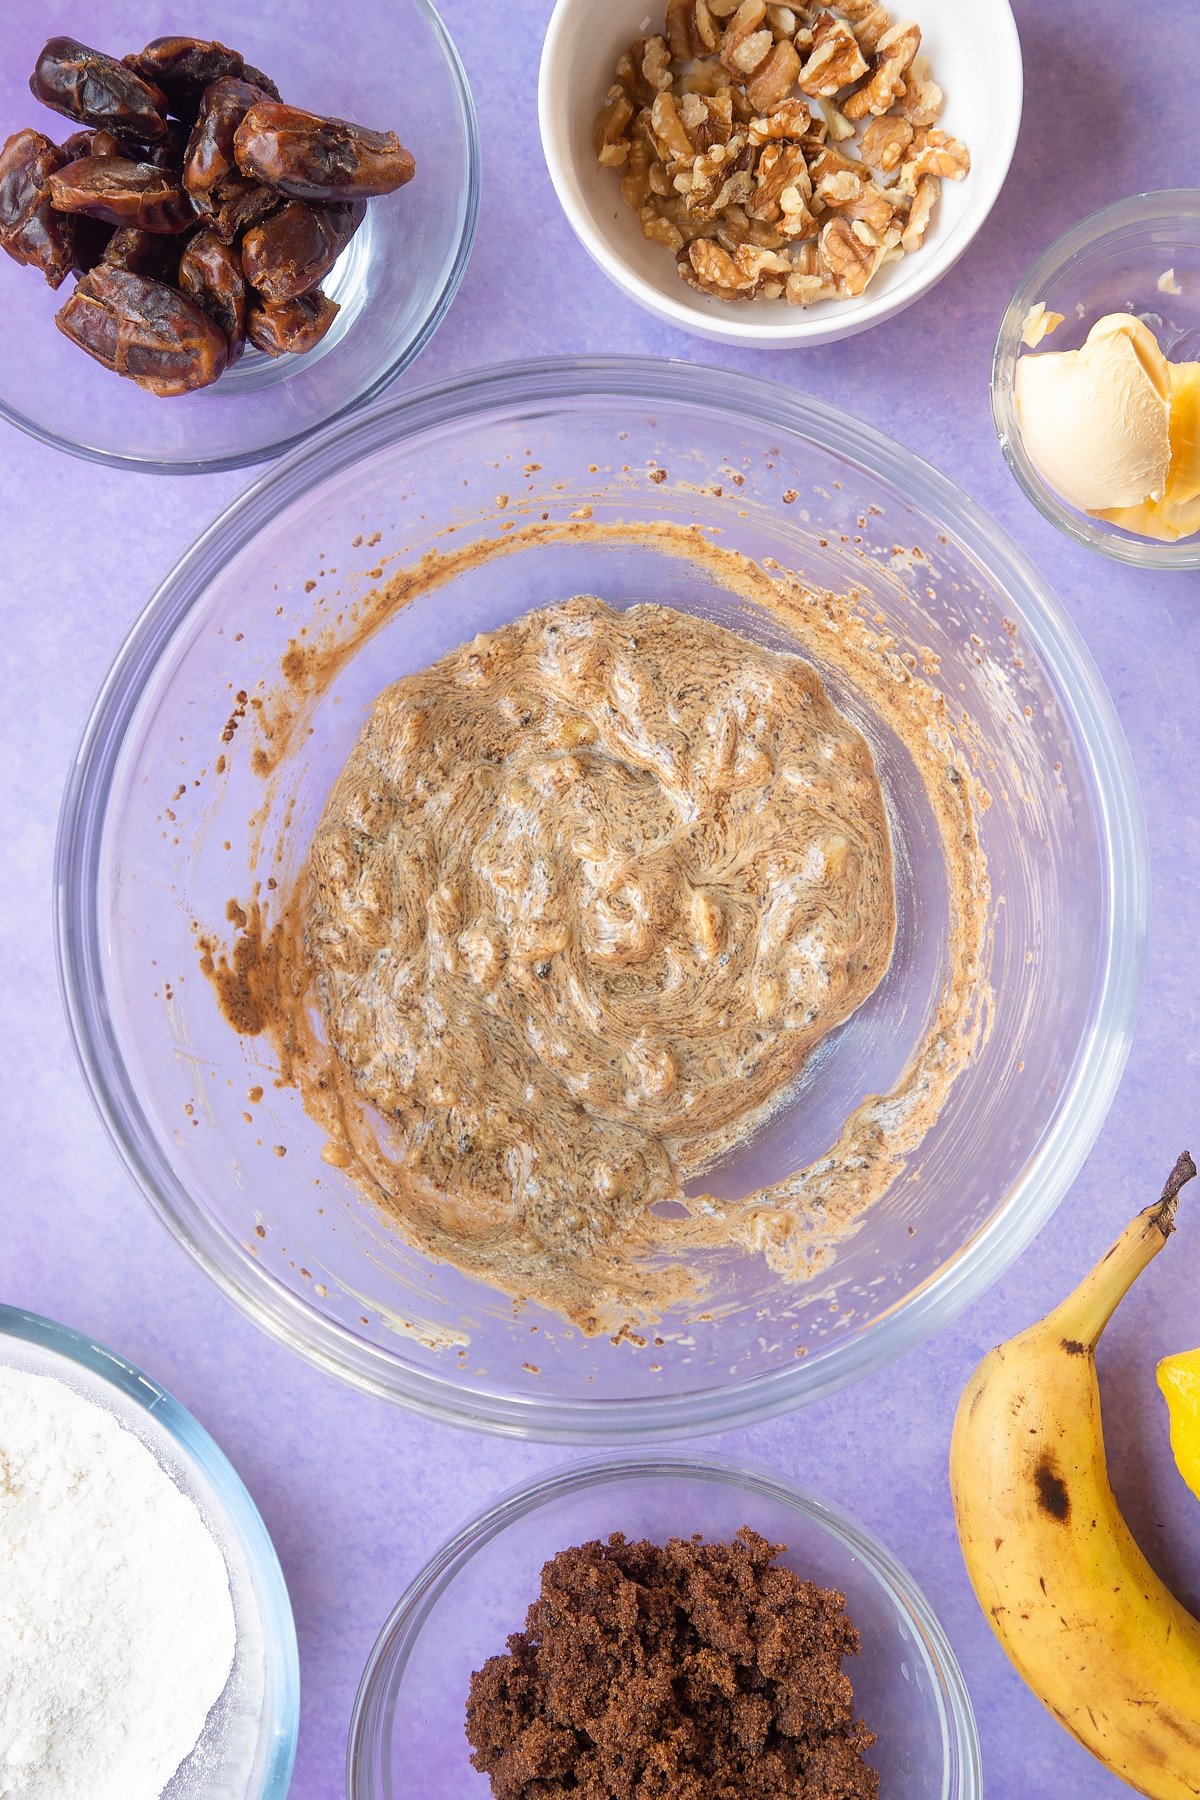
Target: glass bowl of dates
[436,1683]
[211,246]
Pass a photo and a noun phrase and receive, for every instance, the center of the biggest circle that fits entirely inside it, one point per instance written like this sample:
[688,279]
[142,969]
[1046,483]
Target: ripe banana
[1076,1606]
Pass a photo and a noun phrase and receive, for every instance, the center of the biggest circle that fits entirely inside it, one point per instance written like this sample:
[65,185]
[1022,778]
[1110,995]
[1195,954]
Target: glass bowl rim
[202,1451]
[1110,222]
[397,362]
[1047,1174]
[963,1755]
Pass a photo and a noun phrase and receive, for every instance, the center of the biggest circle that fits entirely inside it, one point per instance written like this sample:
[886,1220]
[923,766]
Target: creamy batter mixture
[581,904]
[579,908]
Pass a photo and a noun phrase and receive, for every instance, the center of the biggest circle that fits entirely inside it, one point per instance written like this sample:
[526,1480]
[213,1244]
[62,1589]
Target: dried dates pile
[736,134]
[198,211]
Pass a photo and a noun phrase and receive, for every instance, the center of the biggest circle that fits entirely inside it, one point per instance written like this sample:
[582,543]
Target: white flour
[116,1624]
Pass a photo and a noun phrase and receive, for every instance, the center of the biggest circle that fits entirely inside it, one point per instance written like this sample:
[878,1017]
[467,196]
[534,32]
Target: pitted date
[92,143]
[240,203]
[294,327]
[209,159]
[311,158]
[92,239]
[147,253]
[124,193]
[210,274]
[97,90]
[170,149]
[182,67]
[144,330]
[297,246]
[257,79]
[30,230]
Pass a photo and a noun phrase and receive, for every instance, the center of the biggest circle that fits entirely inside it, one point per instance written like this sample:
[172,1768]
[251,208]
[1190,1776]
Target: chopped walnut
[921,101]
[667,129]
[783,21]
[656,64]
[635,177]
[870,21]
[610,132]
[790,119]
[838,126]
[824,161]
[809,280]
[738,227]
[897,47]
[709,78]
[885,142]
[660,229]
[746,41]
[691,28]
[775,79]
[855,195]
[860,13]
[645,69]
[933,153]
[924,201]
[737,274]
[848,252]
[783,189]
[834,61]
[799,221]
[721,177]
[806,290]
[778,150]
[707,118]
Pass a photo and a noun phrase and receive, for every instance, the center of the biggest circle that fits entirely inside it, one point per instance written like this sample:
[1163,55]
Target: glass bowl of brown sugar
[408,1737]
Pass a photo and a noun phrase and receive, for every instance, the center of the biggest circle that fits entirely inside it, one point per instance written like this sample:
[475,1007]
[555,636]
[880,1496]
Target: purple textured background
[356,1494]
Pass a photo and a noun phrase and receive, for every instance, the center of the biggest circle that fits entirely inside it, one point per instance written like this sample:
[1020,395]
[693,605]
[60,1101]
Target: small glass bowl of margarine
[1105,440]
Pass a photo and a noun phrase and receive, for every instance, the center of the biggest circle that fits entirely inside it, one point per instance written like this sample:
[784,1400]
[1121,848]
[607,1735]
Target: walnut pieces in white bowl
[799,166]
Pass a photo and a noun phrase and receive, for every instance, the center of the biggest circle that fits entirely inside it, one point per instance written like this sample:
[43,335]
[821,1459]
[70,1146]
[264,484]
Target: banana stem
[1082,1316]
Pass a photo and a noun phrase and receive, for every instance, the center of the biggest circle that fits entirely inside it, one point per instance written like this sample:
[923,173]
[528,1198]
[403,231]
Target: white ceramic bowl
[976,57]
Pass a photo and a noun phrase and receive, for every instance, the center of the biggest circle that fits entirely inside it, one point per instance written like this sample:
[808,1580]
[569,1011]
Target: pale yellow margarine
[1115,428]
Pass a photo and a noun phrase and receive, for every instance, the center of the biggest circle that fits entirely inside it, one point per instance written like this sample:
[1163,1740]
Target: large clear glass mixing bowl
[153,846]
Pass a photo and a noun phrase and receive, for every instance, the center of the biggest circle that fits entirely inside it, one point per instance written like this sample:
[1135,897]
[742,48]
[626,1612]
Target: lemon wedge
[1179,1379]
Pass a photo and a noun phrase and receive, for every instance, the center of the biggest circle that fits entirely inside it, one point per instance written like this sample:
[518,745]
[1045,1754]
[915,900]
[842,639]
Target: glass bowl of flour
[144,1616]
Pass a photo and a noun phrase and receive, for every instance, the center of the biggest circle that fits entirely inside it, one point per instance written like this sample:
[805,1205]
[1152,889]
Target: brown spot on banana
[1073,1347]
[1052,1492]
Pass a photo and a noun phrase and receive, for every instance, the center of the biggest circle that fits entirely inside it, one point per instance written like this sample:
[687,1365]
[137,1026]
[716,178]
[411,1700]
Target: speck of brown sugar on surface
[688,1671]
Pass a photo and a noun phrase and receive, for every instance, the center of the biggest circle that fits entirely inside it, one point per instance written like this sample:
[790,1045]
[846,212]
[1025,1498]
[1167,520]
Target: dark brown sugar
[687,1672]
